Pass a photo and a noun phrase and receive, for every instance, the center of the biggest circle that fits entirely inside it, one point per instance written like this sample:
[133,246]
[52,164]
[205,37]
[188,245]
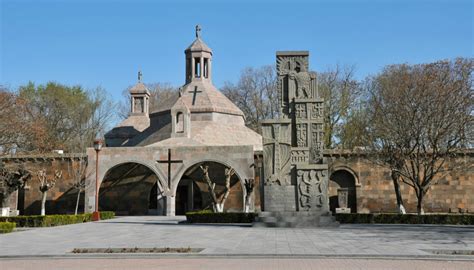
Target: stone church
[158,154]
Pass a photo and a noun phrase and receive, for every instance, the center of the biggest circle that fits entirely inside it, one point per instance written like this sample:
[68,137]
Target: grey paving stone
[367,240]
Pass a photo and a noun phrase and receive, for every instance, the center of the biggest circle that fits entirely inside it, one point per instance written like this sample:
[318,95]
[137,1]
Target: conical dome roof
[198,46]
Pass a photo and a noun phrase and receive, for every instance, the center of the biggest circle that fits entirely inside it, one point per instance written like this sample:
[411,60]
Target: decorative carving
[342,197]
[299,156]
[300,110]
[317,110]
[294,80]
[317,142]
[303,82]
[311,185]
[276,150]
[302,135]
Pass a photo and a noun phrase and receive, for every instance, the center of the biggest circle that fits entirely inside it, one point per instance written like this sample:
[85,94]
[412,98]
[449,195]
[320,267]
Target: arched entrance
[130,189]
[342,179]
[192,192]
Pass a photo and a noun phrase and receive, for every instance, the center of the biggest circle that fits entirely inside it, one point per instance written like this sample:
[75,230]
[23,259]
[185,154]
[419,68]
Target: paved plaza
[354,241]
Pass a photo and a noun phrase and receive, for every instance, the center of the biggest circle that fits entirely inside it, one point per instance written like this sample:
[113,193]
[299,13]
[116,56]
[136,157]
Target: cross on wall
[169,161]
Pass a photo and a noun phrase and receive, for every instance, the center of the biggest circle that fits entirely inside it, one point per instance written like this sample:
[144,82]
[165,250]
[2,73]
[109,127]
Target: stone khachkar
[295,174]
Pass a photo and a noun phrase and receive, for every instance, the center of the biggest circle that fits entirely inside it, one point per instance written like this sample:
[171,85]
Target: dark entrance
[188,197]
[127,189]
[342,179]
[193,194]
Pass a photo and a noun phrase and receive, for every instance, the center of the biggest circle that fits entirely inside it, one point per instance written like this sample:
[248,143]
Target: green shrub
[207,216]
[6,227]
[453,219]
[54,220]
[107,215]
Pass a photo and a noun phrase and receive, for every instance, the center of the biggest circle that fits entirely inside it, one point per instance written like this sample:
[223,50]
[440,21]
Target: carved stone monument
[342,199]
[295,174]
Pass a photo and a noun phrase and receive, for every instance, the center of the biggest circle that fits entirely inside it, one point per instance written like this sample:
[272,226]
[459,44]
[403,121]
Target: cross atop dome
[198,31]
[140,76]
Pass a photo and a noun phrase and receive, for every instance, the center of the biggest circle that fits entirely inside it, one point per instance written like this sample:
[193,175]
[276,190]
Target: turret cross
[198,31]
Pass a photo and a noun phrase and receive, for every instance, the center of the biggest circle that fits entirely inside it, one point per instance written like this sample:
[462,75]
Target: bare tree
[255,94]
[45,185]
[420,116]
[77,170]
[340,91]
[10,181]
[217,205]
[249,185]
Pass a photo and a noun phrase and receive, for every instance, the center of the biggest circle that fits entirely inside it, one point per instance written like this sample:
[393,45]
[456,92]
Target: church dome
[198,46]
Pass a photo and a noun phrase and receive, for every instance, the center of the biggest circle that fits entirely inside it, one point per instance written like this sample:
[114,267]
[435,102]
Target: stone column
[202,67]
[170,206]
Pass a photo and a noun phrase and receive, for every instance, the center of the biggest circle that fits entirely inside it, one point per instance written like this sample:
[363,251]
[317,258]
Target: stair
[295,220]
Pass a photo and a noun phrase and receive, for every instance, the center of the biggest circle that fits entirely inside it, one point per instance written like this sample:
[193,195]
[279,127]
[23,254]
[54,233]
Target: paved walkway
[352,241]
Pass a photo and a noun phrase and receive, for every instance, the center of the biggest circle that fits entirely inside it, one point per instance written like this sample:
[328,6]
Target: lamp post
[97,148]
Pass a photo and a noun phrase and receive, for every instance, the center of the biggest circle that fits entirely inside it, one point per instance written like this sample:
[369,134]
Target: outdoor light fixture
[97,148]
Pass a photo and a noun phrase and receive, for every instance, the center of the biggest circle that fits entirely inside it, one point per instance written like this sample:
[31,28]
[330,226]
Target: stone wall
[375,192]
[373,189]
[61,199]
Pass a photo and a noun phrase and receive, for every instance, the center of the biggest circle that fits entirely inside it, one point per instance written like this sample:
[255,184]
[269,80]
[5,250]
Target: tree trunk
[43,203]
[248,199]
[77,201]
[219,207]
[398,194]
[419,205]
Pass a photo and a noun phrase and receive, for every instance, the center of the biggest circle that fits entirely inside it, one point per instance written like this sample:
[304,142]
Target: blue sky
[104,43]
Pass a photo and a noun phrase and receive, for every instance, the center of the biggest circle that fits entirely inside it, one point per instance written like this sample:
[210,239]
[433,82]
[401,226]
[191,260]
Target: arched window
[179,122]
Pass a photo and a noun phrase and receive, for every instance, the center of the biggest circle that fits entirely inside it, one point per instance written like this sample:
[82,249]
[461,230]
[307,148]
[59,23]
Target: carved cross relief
[276,143]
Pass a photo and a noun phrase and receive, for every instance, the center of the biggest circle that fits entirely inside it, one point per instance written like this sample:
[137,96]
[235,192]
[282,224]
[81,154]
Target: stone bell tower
[139,98]
[295,173]
[198,60]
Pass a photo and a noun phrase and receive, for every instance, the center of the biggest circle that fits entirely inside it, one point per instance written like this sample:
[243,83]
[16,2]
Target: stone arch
[348,169]
[237,176]
[125,189]
[117,162]
[342,178]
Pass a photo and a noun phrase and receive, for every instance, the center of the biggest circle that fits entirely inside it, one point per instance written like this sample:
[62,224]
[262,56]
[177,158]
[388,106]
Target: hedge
[211,217]
[6,227]
[453,219]
[54,220]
